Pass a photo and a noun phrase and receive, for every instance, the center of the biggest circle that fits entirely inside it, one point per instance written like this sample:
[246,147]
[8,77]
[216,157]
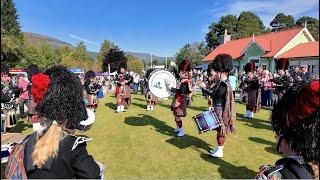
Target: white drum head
[161,82]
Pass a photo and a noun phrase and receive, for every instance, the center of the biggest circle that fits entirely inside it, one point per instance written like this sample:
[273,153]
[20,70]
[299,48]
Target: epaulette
[269,172]
[80,140]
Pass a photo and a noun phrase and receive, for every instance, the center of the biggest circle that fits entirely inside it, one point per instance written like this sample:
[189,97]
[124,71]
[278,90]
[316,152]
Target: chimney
[223,39]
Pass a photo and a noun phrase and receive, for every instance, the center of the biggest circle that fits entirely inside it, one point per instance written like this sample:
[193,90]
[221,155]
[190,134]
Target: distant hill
[38,39]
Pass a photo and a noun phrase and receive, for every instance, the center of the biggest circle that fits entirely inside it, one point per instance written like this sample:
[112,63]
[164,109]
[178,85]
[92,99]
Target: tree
[249,24]
[228,22]
[115,57]
[245,25]
[9,19]
[104,49]
[11,36]
[44,56]
[282,22]
[80,53]
[11,48]
[135,64]
[212,38]
[312,25]
[194,52]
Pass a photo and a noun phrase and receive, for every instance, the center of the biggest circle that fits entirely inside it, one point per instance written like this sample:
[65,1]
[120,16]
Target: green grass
[141,144]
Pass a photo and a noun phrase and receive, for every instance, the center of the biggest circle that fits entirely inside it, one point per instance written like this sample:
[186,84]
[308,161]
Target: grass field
[140,144]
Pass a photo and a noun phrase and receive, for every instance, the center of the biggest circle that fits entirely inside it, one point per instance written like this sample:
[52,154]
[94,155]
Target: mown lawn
[141,144]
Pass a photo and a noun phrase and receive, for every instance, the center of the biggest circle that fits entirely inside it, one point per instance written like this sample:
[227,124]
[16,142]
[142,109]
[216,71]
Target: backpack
[15,167]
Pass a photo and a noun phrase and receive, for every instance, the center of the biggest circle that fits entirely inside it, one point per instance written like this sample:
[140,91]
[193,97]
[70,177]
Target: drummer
[184,88]
[212,80]
[152,100]
[223,102]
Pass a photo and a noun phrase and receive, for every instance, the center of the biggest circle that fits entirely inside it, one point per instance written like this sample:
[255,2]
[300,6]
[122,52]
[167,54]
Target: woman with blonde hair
[53,152]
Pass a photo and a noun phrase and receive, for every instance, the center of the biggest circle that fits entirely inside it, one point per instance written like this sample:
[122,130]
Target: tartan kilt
[254,100]
[126,93]
[181,110]
[151,97]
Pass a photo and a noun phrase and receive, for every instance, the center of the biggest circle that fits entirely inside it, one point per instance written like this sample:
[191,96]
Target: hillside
[38,39]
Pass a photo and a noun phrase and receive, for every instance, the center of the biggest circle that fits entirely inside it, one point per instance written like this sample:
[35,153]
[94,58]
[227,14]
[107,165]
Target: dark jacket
[68,164]
[305,76]
[4,96]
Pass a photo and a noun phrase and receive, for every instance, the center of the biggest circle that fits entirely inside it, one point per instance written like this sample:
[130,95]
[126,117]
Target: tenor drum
[161,82]
[207,121]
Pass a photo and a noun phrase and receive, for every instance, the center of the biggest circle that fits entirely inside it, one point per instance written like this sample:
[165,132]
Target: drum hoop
[156,71]
[213,114]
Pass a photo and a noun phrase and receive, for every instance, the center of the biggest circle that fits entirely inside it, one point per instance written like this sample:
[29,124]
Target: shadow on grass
[229,171]
[142,106]
[139,99]
[163,128]
[262,141]
[111,105]
[201,109]
[255,123]
[272,145]
[20,126]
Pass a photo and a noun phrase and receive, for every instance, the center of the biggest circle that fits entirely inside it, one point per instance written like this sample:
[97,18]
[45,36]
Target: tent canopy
[202,66]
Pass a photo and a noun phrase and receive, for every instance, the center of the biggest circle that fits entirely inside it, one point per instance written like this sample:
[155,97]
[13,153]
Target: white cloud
[83,39]
[266,9]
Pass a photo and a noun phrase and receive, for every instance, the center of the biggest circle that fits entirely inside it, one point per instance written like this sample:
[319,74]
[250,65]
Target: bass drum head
[161,82]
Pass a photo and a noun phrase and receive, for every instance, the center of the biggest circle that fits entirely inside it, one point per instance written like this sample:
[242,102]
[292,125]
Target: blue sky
[150,26]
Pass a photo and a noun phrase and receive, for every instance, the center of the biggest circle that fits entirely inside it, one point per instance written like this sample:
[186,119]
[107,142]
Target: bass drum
[161,82]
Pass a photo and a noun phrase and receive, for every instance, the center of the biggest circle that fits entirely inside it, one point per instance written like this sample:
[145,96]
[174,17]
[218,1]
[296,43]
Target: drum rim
[155,71]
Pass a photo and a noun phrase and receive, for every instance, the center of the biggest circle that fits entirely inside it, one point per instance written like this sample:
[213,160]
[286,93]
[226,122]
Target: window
[264,66]
[256,61]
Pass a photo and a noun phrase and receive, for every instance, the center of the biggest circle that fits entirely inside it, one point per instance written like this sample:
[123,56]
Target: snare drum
[207,121]
[5,152]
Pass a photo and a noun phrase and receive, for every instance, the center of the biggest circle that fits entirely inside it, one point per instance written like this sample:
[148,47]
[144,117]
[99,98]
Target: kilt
[181,109]
[124,93]
[254,100]
[151,97]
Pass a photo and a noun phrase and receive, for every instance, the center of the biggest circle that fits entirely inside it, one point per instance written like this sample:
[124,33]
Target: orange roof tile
[309,49]
[271,43]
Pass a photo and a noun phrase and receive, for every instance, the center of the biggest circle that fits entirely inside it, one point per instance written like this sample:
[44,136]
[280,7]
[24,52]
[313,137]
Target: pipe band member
[223,102]
[92,87]
[252,87]
[295,121]
[53,152]
[151,99]
[181,97]
[123,90]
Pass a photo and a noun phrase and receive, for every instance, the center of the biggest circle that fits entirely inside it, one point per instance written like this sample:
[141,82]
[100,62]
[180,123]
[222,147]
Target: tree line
[245,25]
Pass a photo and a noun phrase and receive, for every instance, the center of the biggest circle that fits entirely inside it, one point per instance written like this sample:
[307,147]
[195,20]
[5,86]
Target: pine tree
[9,19]
[282,22]
[11,36]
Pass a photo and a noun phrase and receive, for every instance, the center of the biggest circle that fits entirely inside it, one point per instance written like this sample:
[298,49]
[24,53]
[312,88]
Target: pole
[166,61]
[109,68]
[151,60]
